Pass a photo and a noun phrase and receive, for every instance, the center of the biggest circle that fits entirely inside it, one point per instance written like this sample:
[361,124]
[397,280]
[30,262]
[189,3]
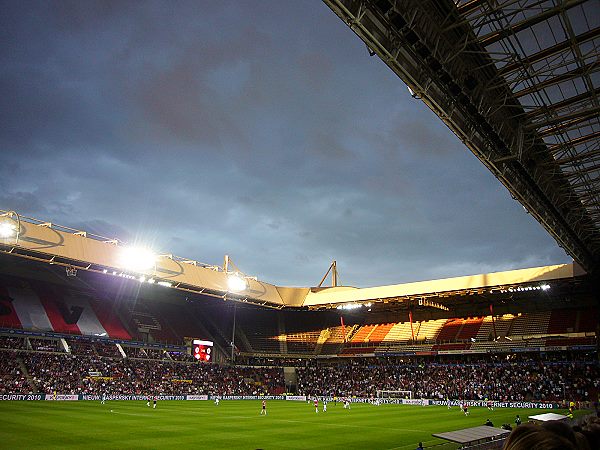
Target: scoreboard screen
[202,350]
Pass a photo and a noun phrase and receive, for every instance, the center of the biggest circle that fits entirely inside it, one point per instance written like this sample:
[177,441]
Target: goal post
[394,394]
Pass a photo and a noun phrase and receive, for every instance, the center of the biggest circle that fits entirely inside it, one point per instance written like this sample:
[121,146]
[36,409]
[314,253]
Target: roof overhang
[75,249]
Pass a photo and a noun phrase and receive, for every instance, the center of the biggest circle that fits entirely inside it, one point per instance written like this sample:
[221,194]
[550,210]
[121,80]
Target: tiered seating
[530,324]
[454,346]
[81,347]
[147,322]
[470,328]
[107,349]
[303,328]
[562,321]
[334,341]
[429,330]
[450,330]
[380,332]
[34,305]
[260,328]
[399,333]
[45,345]
[357,350]
[176,323]
[503,324]
[12,378]
[362,334]
[570,341]
[588,320]
[302,342]
[154,353]
[134,352]
[8,315]
[486,330]
[12,342]
[416,348]
[107,314]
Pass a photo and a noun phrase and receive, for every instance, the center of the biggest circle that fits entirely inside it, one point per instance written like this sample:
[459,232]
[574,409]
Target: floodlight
[236,283]
[7,230]
[137,258]
[545,287]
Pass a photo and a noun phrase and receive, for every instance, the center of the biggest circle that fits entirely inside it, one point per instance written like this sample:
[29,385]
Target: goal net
[394,394]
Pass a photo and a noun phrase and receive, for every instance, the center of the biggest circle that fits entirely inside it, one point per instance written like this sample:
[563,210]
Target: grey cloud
[262,131]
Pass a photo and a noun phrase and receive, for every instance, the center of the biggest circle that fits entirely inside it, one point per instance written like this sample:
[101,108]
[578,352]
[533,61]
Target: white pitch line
[131,414]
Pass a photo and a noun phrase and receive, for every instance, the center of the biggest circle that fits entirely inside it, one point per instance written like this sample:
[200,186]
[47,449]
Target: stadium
[110,345]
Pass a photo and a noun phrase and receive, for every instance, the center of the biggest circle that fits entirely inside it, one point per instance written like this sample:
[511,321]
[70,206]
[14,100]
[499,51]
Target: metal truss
[517,81]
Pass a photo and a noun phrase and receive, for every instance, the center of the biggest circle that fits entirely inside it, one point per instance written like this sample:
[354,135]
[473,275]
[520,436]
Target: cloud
[261,131]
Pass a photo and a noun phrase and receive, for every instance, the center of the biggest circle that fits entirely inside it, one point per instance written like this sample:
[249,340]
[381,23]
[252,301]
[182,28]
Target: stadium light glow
[137,258]
[351,306]
[165,283]
[236,283]
[545,287]
[7,230]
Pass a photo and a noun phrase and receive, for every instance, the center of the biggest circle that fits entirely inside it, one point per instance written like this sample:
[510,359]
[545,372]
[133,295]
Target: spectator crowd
[99,367]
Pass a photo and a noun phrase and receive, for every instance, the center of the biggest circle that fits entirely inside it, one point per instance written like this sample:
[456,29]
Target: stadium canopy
[518,83]
[77,250]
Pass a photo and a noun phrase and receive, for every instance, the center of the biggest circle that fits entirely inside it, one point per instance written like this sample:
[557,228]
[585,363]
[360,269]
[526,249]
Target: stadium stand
[380,332]
[535,323]
[78,341]
[470,328]
[587,320]
[450,330]
[399,333]
[258,331]
[563,321]
[429,330]
[363,334]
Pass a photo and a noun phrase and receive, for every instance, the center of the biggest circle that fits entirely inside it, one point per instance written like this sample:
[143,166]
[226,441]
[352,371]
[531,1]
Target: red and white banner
[48,309]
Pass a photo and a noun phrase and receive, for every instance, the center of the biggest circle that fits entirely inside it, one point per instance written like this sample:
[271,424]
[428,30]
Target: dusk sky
[258,129]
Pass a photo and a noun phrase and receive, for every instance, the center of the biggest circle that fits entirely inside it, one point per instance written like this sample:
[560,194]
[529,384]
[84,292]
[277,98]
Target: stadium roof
[518,83]
[77,250]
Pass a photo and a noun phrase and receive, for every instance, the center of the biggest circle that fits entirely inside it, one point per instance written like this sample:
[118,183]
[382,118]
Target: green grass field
[231,425]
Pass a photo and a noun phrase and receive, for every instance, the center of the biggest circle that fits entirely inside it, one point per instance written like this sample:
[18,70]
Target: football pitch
[233,425]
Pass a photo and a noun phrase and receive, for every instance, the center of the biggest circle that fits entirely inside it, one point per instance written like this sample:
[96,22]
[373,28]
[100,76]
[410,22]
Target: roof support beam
[471,6]
[575,73]
[583,155]
[563,104]
[574,142]
[496,36]
[559,120]
[550,51]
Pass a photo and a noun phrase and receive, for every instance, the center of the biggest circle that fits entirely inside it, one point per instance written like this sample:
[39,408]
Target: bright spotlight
[7,230]
[545,287]
[236,283]
[137,258]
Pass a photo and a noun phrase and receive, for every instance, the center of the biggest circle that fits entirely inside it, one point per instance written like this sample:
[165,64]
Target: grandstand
[42,299]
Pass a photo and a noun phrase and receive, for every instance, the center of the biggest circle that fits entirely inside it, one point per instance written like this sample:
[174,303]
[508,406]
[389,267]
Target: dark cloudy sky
[258,129]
